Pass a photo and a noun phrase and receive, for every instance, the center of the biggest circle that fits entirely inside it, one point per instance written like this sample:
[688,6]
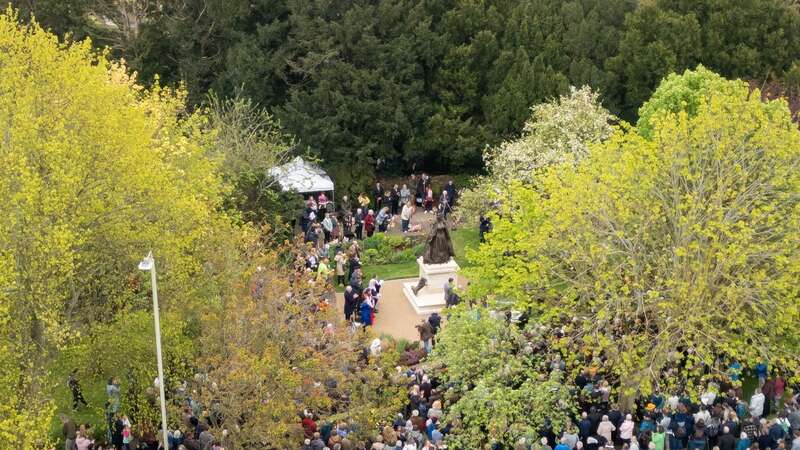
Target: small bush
[388,249]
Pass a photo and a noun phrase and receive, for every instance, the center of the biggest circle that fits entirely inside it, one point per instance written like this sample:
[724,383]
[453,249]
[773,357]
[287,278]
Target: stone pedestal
[430,298]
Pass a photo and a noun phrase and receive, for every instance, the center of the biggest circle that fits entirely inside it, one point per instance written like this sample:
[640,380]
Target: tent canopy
[299,175]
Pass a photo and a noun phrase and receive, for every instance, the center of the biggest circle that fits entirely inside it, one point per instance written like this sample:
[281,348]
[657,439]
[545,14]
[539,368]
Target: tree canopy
[96,171]
[500,388]
[428,82]
[681,240]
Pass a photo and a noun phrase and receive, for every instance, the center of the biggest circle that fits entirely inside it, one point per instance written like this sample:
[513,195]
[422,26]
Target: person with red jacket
[369,223]
[309,426]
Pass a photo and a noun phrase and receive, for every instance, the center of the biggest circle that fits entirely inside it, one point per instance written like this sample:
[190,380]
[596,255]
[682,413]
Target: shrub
[387,249]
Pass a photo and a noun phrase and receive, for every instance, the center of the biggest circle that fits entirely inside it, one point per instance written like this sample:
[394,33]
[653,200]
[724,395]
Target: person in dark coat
[377,193]
[394,197]
[726,441]
[358,221]
[436,321]
[484,227]
[75,388]
[584,427]
[595,416]
[451,192]
[116,433]
[355,281]
[350,303]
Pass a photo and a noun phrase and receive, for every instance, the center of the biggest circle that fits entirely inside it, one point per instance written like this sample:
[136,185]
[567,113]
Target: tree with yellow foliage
[674,247]
[95,170]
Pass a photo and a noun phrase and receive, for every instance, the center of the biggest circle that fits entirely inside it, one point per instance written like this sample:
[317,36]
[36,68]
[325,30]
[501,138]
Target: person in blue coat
[761,373]
[366,312]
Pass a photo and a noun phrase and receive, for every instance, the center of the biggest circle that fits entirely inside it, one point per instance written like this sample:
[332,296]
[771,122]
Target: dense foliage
[500,388]
[397,82]
[274,348]
[558,131]
[97,170]
[673,246]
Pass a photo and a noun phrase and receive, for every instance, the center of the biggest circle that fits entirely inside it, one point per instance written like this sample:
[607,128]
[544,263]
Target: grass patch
[464,238]
[94,391]
[408,269]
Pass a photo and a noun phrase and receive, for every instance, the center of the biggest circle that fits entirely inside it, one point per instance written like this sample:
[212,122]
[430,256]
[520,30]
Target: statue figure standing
[439,247]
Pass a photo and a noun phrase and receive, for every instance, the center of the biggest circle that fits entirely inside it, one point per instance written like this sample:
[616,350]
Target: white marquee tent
[299,175]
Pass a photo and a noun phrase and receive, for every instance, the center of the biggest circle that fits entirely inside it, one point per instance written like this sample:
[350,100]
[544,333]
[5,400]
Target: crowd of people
[417,427]
[332,234]
[120,434]
[323,220]
[718,419]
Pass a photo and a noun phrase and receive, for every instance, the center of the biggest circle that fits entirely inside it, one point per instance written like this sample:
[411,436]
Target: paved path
[395,315]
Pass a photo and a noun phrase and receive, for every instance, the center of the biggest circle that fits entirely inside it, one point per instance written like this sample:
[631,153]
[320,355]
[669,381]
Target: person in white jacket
[605,428]
[626,429]
[757,404]
[702,414]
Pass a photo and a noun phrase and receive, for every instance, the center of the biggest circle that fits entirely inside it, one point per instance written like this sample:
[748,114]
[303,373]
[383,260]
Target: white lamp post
[149,264]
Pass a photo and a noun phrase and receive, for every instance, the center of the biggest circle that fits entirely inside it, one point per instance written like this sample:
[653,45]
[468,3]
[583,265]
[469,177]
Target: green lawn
[93,391]
[463,238]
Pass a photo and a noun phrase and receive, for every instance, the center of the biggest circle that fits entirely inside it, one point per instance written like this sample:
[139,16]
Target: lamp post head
[147,263]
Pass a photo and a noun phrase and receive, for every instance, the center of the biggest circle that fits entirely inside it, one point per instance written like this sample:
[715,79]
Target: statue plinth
[430,298]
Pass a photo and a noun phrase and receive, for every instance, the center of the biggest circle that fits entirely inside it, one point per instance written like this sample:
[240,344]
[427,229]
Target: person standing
[116,433]
[605,428]
[345,206]
[350,303]
[405,195]
[394,197]
[435,320]
[367,310]
[448,292]
[324,271]
[358,220]
[382,220]
[327,227]
[626,429]
[82,441]
[420,191]
[112,404]
[340,260]
[757,404]
[426,335]
[451,192]
[356,281]
[75,388]
[726,441]
[369,223]
[405,216]
[761,373]
[428,199]
[363,201]
[69,431]
[484,227]
[444,204]
[780,387]
[377,193]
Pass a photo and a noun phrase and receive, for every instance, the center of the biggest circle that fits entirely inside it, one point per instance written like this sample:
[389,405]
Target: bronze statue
[440,248]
